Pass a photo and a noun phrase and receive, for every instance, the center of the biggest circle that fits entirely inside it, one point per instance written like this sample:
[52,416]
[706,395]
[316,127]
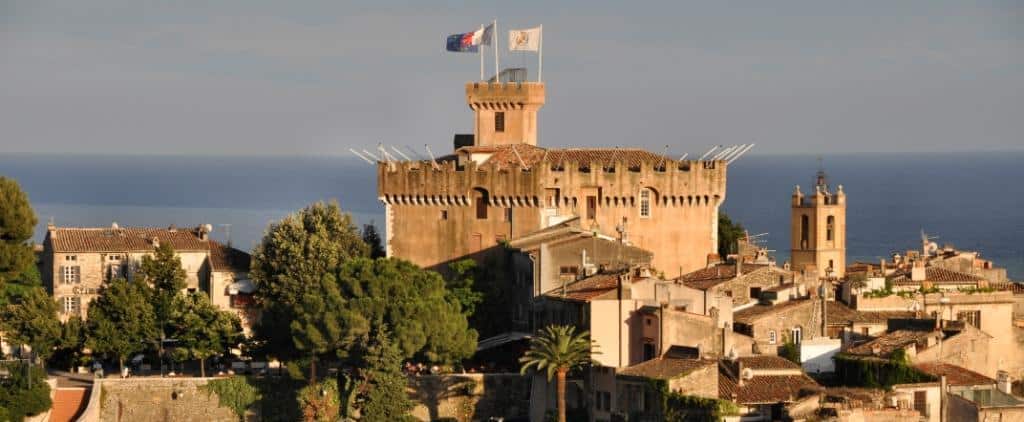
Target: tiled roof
[767,362]
[129,239]
[706,278]
[955,375]
[226,258]
[588,288]
[756,312]
[891,341]
[764,389]
[936,275]
[840,314]
[665,368]
[505,156]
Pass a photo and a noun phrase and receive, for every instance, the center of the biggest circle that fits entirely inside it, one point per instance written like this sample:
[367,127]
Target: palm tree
[558,349]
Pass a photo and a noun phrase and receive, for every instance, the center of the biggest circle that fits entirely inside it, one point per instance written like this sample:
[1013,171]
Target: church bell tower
[818,229]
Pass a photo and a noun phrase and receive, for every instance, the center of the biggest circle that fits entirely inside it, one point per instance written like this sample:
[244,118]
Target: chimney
[917,273]
[1004,382]
[51,227]
[739,373]
[156,242]
[739,265]
[114,226]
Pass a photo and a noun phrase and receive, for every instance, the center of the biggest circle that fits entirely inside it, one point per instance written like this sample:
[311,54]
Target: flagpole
[480,51]
[540,56]
[494,37]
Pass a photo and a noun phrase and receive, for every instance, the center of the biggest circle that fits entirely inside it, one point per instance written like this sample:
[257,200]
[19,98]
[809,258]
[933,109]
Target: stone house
[743,282]
[764,387]
[770,326]
[687,375]
[956,343]
[856,326]
[77,262]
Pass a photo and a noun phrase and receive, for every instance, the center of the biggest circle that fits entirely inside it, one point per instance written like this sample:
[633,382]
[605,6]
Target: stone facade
[771,326]
[160,399]
[503,187]
[470,397]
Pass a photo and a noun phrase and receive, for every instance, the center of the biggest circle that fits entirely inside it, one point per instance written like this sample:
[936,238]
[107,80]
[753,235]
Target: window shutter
[60,276]
[78,274]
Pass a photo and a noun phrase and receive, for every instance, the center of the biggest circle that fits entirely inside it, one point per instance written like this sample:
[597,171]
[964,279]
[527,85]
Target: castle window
[481,204]
[499,121]
[804,229]
[772,337]
[72,274]
[508,214]
[645,203]
[591,207]
[444,214]
[72,304]
[830,227]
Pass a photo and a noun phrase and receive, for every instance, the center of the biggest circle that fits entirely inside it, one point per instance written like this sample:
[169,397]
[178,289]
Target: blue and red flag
[469,42]
[462,43]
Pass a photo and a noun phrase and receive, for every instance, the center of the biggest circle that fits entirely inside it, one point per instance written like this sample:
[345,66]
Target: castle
[498,185]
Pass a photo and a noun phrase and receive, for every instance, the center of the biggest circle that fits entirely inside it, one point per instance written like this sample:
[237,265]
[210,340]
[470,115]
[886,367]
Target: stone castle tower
[818,229]
[499,186]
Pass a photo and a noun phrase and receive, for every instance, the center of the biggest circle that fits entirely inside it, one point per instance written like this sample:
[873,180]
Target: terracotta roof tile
[764,389]
[767,362]
[936,275]
[505,156]
[955,375]
[706,278]
[130,239]
[225,258]
[890,342]
[588,288]
[665,368]
[840,314]
[756,312]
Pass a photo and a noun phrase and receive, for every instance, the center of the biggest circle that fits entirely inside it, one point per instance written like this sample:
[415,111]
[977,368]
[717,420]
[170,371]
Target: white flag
[524,39]
[484,36]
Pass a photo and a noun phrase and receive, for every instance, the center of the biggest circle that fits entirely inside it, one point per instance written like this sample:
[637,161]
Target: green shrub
[19,400]
[235,393]
[853,371]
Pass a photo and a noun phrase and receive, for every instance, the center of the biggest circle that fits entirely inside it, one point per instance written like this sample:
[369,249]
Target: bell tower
[504,113]
[818,229]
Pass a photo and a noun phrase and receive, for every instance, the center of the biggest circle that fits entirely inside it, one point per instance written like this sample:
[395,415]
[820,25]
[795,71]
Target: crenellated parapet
[674,184]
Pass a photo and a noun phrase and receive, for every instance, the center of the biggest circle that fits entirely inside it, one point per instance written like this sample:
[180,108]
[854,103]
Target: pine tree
[32,320]
[385,398]
[17,221]
[122,321]
[372,239]
[203,330]
[291,260]
[728,234]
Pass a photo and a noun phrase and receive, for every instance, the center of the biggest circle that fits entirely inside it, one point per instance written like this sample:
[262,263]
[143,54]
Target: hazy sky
[303,77]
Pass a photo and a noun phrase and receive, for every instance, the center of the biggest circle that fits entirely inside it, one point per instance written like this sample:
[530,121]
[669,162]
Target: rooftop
[589,288]
[936,275]
[767,362]
[840,314]
[756,312]
[507,156]
[665,368]
[889,342]
[706,278]
[763,388]
[955,375]
[124,239]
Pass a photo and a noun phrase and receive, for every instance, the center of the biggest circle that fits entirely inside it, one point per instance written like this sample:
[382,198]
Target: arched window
[645,203]
[805,224]
[772,337]
[830,227]
[481,200]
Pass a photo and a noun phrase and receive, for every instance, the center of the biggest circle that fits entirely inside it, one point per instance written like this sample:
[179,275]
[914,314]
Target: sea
[974,201]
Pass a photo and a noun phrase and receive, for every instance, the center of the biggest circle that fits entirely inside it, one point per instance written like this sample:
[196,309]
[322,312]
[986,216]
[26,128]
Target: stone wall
[160,399]
[467,397]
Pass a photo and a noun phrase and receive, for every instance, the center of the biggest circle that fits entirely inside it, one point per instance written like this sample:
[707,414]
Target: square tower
[504,113]
[818,229]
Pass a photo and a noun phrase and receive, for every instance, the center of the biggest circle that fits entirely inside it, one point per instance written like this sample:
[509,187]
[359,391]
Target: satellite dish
[747,374]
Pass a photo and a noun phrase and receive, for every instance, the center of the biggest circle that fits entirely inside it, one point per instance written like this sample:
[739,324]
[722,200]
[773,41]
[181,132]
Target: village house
[766,387]
[920,341]
[77,262]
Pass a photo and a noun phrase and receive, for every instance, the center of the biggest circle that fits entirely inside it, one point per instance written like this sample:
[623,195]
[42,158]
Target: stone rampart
[470,397]
[159,399]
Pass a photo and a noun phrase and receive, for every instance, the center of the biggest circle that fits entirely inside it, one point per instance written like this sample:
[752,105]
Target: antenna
[360,156]
[227,233]
[406,157]
[433,161]
[706,154]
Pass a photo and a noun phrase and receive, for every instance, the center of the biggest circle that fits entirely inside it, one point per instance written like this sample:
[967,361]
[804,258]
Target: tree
[32,319]
[72,341]
[293,256]
[17,221]
[325,323]
[203,330]
[24,392]
[460,285]
[728,234]
[411,304]
[164,274]
[121,321]
[373,241]
[320,402]
[556,350]
[385,398]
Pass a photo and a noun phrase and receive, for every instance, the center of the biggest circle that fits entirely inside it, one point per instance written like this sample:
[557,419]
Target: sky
[249,77]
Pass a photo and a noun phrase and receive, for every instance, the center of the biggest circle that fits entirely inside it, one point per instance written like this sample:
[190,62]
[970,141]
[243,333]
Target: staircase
[68,403]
